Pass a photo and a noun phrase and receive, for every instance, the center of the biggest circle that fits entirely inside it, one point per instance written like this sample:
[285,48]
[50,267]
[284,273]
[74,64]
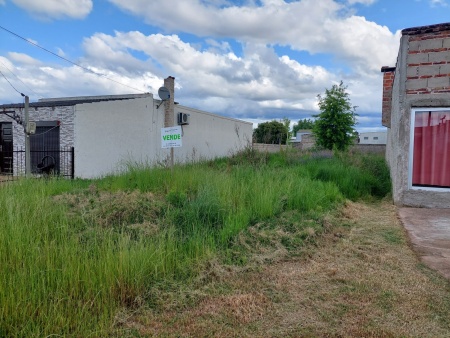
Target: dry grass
[132,210]
[361,280]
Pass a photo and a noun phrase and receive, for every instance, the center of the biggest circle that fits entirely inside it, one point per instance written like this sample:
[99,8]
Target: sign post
[171,137]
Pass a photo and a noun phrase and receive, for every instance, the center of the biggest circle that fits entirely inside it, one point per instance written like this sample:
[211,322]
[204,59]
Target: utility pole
[169,83]
[27,139]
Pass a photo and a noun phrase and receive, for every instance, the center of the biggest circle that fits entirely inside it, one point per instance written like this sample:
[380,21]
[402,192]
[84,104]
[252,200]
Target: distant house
[105,133]
[304,139]
[378,137]
[416,111]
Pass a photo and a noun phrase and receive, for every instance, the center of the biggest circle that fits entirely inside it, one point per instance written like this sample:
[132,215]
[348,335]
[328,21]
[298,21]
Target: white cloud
[324,26]
[260,74]
[54,81]
[60,52]
[23,59]
[364,2]
[56,9]
[259,84]
[435,3]
[256,82]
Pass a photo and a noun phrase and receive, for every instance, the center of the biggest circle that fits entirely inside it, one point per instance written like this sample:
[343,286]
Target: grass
[74,255]
[349,282]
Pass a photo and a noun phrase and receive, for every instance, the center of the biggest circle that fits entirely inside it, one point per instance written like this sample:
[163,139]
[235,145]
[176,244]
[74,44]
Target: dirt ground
[360,280]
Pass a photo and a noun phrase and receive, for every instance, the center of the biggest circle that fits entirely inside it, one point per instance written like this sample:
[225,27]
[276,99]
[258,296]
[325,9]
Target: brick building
[416,111]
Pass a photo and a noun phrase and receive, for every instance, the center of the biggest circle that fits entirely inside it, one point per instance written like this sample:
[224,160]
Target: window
[375,137]
[430,148]
[366,137]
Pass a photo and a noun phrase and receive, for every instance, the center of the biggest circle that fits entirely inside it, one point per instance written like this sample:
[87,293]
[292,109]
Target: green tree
[287,125]
[302,124]
[334,126]
[272,132]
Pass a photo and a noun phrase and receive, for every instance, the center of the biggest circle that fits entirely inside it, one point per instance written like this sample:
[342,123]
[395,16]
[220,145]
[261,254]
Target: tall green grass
[67,268]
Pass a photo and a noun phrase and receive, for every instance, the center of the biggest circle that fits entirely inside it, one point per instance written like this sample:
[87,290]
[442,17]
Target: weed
[73,253]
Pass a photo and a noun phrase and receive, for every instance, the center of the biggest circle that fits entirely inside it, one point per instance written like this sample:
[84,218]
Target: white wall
[110,134]
[209,135]
[373,137]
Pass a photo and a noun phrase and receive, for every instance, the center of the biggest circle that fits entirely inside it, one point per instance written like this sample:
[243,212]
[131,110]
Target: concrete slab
[429,232]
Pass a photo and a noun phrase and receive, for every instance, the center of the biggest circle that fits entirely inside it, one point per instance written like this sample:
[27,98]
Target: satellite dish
[163,93]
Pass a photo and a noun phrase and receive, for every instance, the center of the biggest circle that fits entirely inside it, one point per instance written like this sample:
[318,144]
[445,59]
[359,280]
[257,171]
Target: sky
[256,60]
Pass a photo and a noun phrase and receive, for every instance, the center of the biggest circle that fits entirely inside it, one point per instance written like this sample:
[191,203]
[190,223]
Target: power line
[20,80]
[67,60]
[11,84]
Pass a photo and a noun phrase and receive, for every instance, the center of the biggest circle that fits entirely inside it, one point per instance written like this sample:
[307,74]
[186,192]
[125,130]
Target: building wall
[63,114]
[388,82]
[209,135]
[110,135]
[269,148]
[373,137]
[422,79]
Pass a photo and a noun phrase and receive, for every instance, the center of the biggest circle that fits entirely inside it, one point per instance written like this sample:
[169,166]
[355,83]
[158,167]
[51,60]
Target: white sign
[171,137]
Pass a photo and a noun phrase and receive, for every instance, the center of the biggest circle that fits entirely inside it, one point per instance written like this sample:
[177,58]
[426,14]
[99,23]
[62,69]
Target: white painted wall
[110,134]
[373,137]
[209,135]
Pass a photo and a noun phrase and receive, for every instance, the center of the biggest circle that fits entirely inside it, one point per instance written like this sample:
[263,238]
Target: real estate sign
[171,137]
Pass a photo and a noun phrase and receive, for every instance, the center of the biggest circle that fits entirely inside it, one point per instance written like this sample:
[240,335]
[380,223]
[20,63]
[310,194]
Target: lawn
[104,257]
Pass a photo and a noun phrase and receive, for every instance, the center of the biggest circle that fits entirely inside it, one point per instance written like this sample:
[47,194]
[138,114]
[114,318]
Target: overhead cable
[67,60]
[20,80]
[11,84]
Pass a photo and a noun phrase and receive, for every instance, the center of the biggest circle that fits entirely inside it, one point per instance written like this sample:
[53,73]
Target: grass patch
[349,282]
[74,253]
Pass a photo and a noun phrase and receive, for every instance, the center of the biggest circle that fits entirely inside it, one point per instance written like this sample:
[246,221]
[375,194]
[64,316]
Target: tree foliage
[334,126]
[303,124]
[272,132]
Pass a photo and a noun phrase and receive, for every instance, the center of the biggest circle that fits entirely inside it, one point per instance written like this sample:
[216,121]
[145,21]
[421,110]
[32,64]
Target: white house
[107,132]
[378,137]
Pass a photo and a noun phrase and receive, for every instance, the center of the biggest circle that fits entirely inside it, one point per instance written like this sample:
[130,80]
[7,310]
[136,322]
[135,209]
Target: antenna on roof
[164,95]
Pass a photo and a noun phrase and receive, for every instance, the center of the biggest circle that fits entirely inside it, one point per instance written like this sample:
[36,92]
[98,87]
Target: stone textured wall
[65,115]
[308,142]
[369,148]
[269,148]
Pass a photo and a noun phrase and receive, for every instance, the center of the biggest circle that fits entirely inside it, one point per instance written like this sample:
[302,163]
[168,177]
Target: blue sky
[255,60]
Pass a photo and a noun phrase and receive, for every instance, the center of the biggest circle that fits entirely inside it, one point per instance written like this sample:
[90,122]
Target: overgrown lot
[77,258]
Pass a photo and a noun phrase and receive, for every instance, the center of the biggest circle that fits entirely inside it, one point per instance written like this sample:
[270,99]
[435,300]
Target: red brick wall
[388,82]
[428,62]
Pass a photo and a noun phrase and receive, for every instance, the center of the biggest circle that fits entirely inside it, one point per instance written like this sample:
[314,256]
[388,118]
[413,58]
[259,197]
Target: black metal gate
[44,146]
[6,148]
[64,167]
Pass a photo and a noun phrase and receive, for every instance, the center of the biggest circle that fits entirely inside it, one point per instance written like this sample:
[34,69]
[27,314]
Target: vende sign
[171,137]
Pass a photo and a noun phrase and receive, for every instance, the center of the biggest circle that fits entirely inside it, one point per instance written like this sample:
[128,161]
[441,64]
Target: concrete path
[429,232]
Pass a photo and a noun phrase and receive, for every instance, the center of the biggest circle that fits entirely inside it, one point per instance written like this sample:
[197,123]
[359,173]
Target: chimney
[169,83]
[388,82]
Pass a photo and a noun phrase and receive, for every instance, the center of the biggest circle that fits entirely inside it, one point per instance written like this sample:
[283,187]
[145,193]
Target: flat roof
[72,101]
